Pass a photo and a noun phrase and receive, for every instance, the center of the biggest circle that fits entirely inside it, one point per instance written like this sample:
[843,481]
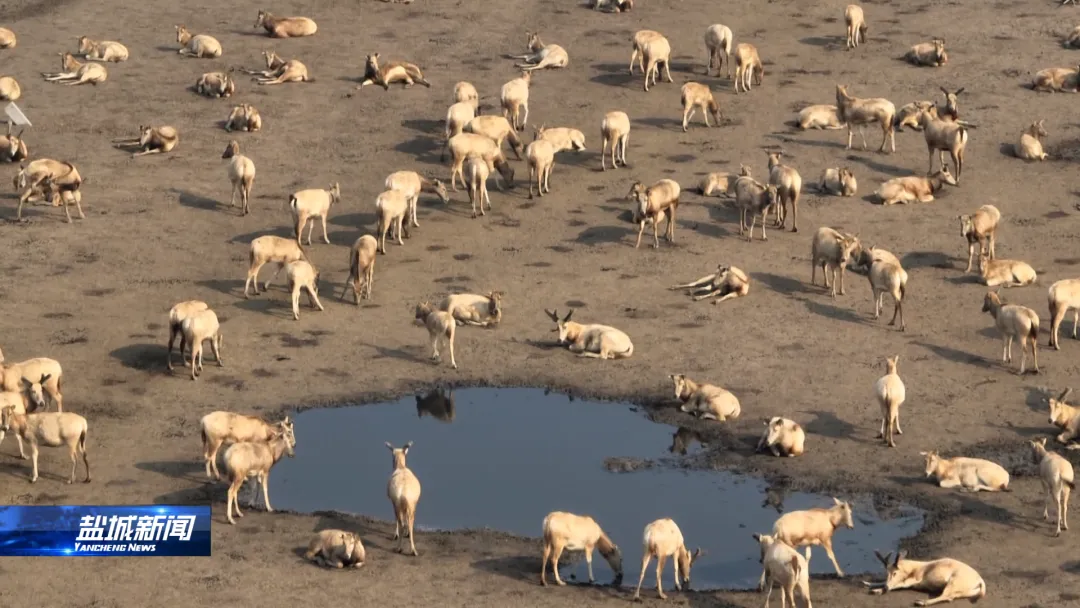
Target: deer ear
[883,558]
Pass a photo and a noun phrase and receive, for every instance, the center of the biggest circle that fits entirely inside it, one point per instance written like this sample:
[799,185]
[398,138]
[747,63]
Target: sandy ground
[95,294]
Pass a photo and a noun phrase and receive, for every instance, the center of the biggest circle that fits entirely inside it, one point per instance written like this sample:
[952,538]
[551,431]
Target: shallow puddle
[508,457]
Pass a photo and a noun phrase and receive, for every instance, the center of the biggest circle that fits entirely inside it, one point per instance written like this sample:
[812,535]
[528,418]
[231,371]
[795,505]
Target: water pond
[504,458]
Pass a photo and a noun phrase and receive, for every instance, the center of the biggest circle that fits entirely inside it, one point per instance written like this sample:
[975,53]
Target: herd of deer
[476,146]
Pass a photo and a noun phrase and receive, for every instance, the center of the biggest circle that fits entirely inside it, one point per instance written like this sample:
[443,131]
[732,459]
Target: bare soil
[159,230]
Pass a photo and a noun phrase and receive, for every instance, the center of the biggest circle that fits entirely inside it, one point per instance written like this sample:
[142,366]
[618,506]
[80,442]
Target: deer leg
[229,505]
[644,564]
[34,458]
[892,424]
[313,299]
[1023,354]
[555,565]
[710,294]
[253,276]
[277,272]
[705,280]
[78,205]
[827,543]
[727,296]
[264,481]
[660,559]
[544,563]
[450,345]
[434,347]
[768,593]
[301,223]
[1065,491]
[948,594]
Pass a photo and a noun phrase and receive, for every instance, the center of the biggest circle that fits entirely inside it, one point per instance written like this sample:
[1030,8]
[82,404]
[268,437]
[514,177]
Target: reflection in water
[683,439]
[464,487]
[438,404]
[774,497]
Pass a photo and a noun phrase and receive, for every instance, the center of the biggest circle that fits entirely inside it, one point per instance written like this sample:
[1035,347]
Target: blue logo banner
[105,530]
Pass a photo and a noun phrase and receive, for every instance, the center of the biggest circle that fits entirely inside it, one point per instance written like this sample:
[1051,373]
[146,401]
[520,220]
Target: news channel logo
[70,530]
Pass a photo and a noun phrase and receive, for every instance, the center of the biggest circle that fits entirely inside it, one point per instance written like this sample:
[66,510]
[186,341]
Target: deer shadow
[954,355]
[603,234]
[781,284]
[833,312]
[144,357]
[195,201]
